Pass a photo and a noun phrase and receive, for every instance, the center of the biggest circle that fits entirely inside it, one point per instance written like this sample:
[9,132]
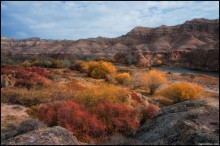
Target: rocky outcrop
[44,136]
[189,122]
[178,45]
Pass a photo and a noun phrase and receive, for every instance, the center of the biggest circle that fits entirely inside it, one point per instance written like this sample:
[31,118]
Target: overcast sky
[75,20]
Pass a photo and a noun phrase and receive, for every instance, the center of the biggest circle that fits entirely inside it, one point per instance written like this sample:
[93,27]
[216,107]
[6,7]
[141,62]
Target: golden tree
[153,79]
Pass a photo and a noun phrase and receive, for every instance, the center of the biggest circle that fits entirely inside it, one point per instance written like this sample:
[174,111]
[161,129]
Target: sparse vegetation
[83,96]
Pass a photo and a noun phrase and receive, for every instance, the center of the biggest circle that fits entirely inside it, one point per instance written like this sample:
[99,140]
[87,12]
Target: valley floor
[12,114]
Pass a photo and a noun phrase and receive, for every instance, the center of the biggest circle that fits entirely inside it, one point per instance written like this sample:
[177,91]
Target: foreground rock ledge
[189,122]
[44,136]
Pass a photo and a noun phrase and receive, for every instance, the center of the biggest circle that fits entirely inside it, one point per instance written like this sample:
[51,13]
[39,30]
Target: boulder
[44,136]
[189,122]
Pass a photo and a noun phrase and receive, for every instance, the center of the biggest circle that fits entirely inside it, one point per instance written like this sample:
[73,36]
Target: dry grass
[35,96]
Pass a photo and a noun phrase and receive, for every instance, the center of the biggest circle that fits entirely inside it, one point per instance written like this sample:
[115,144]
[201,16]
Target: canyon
[192,45]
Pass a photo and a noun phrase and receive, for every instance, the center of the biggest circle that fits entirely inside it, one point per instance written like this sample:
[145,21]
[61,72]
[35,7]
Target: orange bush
[159,62]
[123,78]
[100,69]
[181,91]
[153,79]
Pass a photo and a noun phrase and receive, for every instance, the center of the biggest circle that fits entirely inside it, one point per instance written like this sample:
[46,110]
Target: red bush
[27,77]
[151,110]
[38,70]
[73,117]
[135,97]
[148,113]
[107,120]
[119,118]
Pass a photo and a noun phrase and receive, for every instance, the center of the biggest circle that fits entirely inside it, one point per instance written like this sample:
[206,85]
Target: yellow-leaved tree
[153,79]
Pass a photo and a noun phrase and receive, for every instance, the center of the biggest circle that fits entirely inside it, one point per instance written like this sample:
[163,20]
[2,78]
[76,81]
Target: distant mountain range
[193,44]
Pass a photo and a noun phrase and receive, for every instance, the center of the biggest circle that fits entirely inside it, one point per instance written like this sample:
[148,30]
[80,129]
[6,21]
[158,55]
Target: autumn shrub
[148,113]
[151,110]
[153,80]
[119,118]
[100,69]
[36,62]
[92,96]
[135,97]
[159,62]
[76,66]
[106,120]
[40,71]
[164,100]
[28,77]
[181,91]
[26,63]
[74,117]
[24,96]
[123,78]
[57,64]
[24,83]
[137,80]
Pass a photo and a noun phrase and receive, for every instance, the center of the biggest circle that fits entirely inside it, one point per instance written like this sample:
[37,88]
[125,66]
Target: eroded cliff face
[194,44]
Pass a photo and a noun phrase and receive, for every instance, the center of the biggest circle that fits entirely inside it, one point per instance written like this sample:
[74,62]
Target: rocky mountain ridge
[185,45]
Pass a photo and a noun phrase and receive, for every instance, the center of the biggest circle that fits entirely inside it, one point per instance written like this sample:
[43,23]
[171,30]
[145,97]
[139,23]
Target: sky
[81,19]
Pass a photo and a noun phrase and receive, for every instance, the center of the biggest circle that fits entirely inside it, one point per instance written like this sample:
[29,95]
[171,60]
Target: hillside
[185,45]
